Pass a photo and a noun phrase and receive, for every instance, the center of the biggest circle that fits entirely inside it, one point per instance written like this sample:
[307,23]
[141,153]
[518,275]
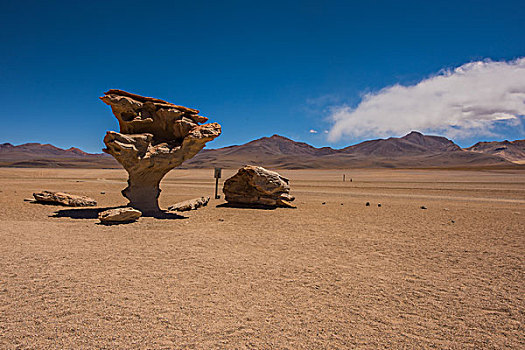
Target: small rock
[66,199]
[29,199]
[342,204]
[192,204]
[221,220]
[379,205]
[102,192]
[446,209]
[452,221]
[367,204]
[119,216]
[423,207]
[323,203]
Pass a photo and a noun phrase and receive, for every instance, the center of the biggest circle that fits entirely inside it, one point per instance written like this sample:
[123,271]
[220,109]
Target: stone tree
[155,136]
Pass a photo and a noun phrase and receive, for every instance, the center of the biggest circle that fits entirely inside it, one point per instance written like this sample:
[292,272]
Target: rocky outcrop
[191,204]
[257,186]
[155,136]
[66,199]
[119,215]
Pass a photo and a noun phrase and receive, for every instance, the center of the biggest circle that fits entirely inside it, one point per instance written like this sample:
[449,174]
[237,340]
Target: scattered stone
[191,204]
[119,216]
[221,220]
[379,205]
[66,199]
[257,186]
[155,136]
[29,199]
[423,207]
[367,204]
[446,209]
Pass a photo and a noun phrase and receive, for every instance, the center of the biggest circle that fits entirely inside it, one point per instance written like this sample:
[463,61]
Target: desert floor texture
[331,274]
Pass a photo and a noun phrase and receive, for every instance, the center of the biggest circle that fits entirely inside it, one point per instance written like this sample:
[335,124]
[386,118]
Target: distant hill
[513,151]
[48,156]
[414,150]
[412,144]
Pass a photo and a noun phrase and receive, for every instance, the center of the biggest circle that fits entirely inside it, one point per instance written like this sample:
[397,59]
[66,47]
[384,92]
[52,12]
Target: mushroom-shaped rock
[61,198]
[119,215]
[155,136]
[257,186]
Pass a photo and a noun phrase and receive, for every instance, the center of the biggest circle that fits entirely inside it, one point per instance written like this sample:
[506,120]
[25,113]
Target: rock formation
[119,216]
[60,198]
[155,137]
[257,186]
[191,204]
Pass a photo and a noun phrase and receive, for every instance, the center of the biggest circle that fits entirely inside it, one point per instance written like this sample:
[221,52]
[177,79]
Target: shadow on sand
[92,213]
[245,206]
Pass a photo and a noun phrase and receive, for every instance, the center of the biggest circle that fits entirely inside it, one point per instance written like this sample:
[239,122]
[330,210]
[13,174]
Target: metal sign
[217,176]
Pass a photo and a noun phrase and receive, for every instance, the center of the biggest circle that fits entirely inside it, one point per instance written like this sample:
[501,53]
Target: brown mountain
[513,151]
[414,150]
[49,156]
[412,144]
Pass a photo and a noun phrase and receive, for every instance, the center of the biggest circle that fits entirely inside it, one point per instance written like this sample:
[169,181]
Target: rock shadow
[246,206]
[92,213]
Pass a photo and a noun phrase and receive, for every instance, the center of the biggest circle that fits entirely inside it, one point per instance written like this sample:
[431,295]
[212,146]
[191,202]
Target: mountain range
[413,150]
[36,155]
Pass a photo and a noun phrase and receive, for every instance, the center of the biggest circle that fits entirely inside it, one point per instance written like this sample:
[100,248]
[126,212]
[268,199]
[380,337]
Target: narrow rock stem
[143,190]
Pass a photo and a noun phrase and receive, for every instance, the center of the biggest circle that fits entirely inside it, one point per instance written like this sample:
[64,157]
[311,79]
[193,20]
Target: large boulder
[61,198]
[191,204]
[257,186]
[119,215]
[155,136]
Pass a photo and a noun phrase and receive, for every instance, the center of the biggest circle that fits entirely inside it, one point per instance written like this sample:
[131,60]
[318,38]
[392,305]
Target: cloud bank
[470,100]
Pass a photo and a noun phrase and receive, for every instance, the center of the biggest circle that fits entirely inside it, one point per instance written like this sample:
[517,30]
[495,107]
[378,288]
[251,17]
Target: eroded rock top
[165,121]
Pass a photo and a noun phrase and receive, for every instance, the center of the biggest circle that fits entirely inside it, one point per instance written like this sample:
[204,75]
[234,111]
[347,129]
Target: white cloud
[468,100]
[312,131]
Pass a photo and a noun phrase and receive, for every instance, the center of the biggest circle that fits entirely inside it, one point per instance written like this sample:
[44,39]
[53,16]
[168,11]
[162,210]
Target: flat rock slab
[119,216]
[61,198]
[191,204]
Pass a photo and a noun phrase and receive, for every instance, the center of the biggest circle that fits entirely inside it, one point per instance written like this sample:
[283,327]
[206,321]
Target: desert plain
[331,274]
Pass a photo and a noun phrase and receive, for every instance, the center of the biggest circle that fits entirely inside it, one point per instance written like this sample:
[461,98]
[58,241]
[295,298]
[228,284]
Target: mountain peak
[278,137]
[413,133]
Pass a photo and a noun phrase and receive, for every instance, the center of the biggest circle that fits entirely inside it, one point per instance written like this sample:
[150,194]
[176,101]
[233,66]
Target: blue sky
[256,68]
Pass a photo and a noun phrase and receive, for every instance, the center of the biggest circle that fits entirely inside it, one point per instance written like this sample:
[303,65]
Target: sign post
[217,176]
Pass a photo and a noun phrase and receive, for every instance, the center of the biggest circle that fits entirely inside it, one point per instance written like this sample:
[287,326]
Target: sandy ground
[333,276]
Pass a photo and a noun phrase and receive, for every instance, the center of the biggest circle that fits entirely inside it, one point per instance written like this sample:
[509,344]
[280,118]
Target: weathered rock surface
[119,215]
[253,185]
[155,137]
[66,199]
[191,204]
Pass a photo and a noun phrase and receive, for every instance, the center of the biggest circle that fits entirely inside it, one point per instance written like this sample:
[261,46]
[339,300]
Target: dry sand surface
[323,276]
